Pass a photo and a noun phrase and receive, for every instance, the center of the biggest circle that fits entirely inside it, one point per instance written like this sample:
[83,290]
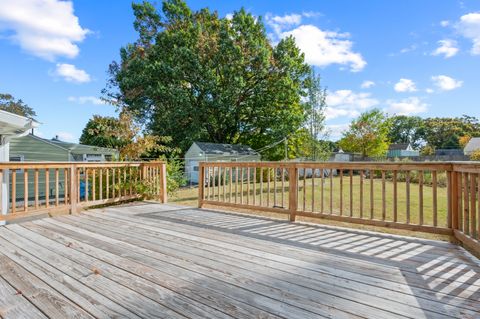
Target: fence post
[201,184]
[73,189]
[163,182]
[292,191]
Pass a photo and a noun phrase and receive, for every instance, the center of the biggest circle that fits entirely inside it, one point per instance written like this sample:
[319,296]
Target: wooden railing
[440,198]
[35,188]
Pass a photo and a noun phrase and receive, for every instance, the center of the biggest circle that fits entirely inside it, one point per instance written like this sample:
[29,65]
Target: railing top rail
[40,165]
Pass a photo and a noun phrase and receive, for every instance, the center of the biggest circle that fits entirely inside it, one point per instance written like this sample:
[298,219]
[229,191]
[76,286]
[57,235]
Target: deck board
[148,260]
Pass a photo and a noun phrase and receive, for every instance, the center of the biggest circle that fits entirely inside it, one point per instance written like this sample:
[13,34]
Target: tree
[407,129]
[368,135]
[197,77]
[315,107]
[463,140]
[445,133]
[125,135]
[10,104]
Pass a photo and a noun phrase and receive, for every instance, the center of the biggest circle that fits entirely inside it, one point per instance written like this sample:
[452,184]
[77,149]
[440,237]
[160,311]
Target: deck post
[201,184]
[163,182]
[73,189]
[292,191]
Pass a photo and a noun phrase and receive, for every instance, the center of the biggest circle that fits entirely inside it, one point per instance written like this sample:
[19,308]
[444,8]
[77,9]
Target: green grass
[189,196]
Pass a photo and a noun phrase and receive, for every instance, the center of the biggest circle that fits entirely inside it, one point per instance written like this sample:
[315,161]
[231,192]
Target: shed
[401,150]
[472,146]
[215,152]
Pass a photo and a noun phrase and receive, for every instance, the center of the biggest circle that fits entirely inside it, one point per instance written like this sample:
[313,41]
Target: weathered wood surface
[162,261]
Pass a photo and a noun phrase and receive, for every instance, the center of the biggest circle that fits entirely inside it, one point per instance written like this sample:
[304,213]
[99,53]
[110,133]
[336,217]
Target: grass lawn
[189,196]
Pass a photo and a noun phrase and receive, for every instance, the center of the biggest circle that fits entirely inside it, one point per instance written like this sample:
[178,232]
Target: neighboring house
[401,150]
[31,148]
[12,126]
[472,146]
[213,152]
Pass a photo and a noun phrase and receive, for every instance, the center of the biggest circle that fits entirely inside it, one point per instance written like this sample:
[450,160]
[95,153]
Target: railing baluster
[304,188]
[268,187]
[361,193]
[25,190]
[350,176]
[230,185]
[372,204]
[420,197]
[14,191]
[57,181]
[236,184]
[261,185]
[395,197]
[248,185]
[341,192]
[466,209]
[322,180]
[331,191]
[224,184]
[47,187]
[87,188]
[241,185]
[35,187]
[434,198]
[275,188]
[384,200]
[283,186]
[313,189]
[254,185]
[65,186]
[100,183]
[473,208]
[407,194]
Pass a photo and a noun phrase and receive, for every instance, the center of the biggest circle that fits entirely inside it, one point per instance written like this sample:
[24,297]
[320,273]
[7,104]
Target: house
[213,152]
[472,146]
[31,148]
[401,150]
[12,126]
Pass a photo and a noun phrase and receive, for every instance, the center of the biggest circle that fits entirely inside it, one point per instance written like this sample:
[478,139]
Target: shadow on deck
[159,260]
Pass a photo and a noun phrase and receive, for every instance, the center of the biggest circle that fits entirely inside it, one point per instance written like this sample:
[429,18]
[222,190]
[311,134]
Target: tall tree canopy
[445,133]
[195,76]
[10,104]
[368,135]
[407,129]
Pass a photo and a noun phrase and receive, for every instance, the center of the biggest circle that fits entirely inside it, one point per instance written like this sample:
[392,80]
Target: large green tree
[367,135]
[10,104]
[407,129]
[445,133]
[195,76]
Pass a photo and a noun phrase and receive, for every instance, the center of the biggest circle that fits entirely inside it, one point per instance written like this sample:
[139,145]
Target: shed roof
[13,124]
[472,145]
[226,149]
[398,146]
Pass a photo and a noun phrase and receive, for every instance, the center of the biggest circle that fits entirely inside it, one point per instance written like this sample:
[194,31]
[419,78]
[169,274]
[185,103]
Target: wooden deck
[162,261]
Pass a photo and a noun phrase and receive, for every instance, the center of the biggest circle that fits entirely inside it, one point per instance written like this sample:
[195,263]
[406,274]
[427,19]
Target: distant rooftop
[230,149]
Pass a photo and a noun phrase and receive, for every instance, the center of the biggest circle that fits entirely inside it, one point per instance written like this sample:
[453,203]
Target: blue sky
[405,57]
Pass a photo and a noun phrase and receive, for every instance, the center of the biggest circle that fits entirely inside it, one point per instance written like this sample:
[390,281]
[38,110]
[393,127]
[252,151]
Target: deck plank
[210,255]
[163,261]
[439,277]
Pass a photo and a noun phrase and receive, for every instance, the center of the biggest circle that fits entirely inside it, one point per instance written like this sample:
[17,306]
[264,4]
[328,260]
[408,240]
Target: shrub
[475,155]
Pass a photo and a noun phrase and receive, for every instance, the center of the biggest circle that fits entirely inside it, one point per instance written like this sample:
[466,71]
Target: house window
[17,158]
[93,157]
[195,168]
[108,158]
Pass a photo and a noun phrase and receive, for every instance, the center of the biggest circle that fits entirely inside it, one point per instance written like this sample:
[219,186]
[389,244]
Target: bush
[475,155]
[175,176]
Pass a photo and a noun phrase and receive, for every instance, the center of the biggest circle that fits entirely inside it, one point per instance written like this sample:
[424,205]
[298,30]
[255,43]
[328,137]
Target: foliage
[406,129]
[175,176]
[315,107]
[444,133]
[475,155]
[197,77]
[463,140]
[427,150]
[10,104]
[125,135]
[368,135]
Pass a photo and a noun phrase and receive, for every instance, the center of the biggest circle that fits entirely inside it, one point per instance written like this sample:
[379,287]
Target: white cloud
[408,106]
[469,27]
[311,14]
[446,83]
[429,90]
[229,16]
[367,84]
[279,23]
[323,48]
[447,48]
[445,23]
[86,100]
[347,103]
[70,73]
[44,28]
[405,85]
[66,136]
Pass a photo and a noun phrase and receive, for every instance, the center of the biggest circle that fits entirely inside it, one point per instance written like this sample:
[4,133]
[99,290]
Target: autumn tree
[407,129]
[367,135]
[10,104]
[195,76]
